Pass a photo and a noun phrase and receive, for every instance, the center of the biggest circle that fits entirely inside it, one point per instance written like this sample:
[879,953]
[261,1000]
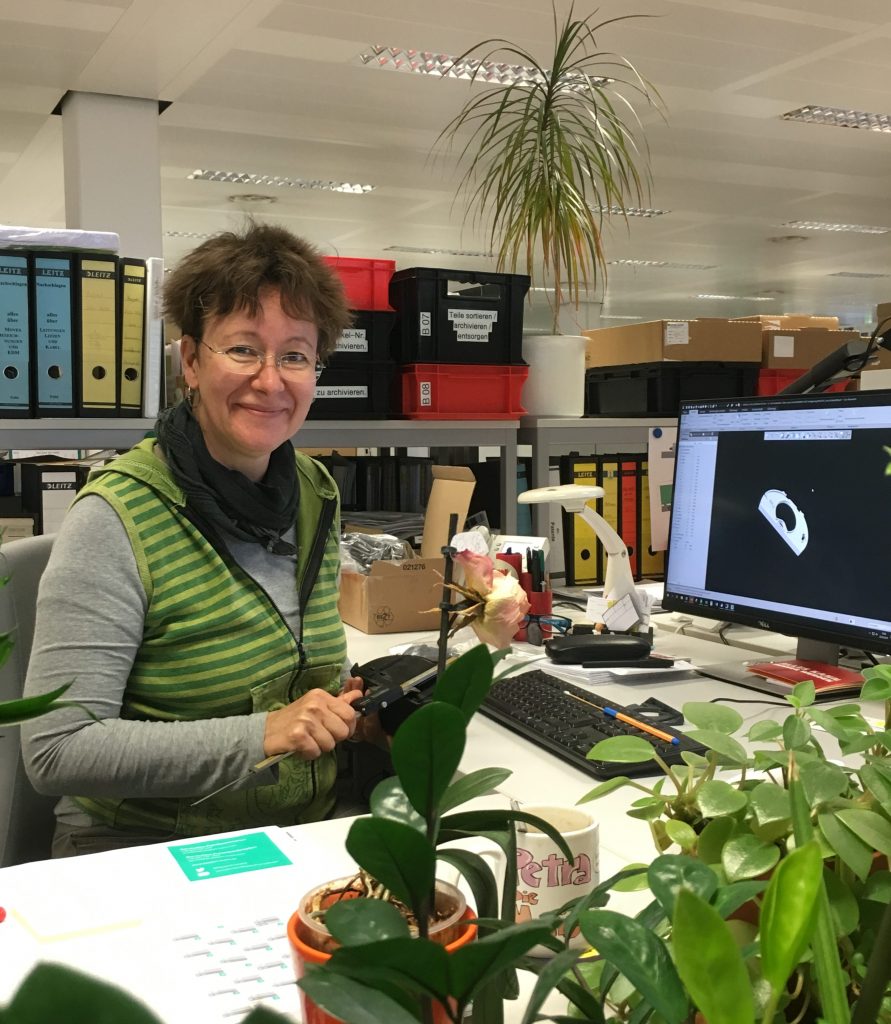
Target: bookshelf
[121,433]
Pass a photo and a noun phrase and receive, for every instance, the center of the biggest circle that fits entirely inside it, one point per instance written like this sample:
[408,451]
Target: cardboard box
[712,338]
[793,321]
[801,349]
[395,597]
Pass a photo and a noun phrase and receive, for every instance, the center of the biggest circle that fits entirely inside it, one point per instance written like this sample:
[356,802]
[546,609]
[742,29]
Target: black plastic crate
[358,392]
[457,316]
[642,388]
[368,340]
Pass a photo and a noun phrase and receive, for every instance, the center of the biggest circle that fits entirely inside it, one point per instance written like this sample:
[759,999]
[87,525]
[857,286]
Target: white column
[112,168]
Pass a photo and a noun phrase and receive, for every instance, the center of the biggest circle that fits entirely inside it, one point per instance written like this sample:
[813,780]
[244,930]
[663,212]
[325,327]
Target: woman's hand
[312,725]
[368,727]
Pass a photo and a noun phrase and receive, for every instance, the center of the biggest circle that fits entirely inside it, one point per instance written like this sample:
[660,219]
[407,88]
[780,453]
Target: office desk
[130,916]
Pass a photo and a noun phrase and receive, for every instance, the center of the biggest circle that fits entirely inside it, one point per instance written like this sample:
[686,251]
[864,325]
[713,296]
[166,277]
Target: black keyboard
[536,706]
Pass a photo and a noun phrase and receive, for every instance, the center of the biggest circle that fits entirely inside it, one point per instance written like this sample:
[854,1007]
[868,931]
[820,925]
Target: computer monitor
[780,520]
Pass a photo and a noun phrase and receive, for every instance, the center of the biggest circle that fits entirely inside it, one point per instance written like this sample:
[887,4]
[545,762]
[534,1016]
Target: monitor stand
[737,672]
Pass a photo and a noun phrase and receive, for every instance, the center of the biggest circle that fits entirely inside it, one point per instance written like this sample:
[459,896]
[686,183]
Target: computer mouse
[587,647]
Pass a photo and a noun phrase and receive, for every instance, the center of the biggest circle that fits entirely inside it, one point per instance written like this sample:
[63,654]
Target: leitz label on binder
[132,334]
[53,334]
[98,295]
[14,342]
[353,340]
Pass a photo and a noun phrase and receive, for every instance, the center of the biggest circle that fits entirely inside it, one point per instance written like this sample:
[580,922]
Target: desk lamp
[617,579]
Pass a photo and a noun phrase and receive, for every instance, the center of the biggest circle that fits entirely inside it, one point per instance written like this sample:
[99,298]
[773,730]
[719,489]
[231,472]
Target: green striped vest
[214,645]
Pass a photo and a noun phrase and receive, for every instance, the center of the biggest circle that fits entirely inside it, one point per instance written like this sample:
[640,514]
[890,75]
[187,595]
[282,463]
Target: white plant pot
[556,382]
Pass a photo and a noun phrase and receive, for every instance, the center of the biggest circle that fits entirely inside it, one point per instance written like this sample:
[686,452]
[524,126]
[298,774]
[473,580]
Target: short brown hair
[228,272]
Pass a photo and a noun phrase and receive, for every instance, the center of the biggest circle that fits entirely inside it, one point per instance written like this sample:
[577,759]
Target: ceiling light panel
[819,225]
[630,211]
[667,264]
[276,181]
[738,298]
[857,273]
[840,118]
[443,65]
[438,252]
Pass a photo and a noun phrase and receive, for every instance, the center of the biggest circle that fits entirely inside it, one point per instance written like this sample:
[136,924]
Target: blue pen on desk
[643,726]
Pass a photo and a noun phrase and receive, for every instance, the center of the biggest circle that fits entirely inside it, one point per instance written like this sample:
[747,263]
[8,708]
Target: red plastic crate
[450,391]
[366,282]
[772,382]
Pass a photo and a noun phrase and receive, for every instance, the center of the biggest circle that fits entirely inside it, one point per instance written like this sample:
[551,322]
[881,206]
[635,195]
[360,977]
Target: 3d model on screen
[770,506]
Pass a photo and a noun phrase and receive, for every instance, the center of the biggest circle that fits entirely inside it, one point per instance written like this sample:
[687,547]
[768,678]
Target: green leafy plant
[780,792]
[547,158]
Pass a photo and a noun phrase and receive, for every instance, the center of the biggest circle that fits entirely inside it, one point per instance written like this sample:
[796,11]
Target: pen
[643,726]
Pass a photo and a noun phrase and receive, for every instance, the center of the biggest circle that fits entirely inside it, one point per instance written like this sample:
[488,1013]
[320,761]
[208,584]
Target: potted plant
[747,825]
[544,160]
[377,960]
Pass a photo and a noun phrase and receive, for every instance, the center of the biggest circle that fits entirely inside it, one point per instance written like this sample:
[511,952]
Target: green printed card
[232,855]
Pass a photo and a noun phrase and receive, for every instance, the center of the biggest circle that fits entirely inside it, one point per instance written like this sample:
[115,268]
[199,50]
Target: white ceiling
[272,86]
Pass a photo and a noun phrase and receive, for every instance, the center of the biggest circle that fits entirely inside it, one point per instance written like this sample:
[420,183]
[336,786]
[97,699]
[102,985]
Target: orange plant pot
[304,956]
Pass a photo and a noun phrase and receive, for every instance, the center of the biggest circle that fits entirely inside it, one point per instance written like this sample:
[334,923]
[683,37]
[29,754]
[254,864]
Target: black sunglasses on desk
[540,627]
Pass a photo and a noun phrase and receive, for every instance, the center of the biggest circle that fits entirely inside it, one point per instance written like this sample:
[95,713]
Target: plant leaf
[731,897]
[717,799]
[357,921]
[765,730]
[713,838]
[616,782]
[877,685]
[474,963]
[641,956]
[479,876]
[426,752]
[850,848]
[804,693]
[789,912]
[727,747]
[86,1000]
[681,833]
[412,964]
[822,781]
[704,952]
[466,681]
[770,803]
[747,856]
[872,828]
[547,980]
[351,1000]
[669,874]
[13,712]
[624,749]
[796,733]
[395,854]
[714,717]
[842,903]
[388,800]
[474,784]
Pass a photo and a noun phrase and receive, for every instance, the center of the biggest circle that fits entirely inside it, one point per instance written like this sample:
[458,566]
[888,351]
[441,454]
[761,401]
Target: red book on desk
[824,677]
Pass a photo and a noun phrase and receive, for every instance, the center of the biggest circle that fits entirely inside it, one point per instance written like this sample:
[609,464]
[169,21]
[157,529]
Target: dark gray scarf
[223,501]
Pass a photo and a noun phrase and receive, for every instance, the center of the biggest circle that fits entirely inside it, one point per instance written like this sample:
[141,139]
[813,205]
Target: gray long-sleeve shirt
[91,609]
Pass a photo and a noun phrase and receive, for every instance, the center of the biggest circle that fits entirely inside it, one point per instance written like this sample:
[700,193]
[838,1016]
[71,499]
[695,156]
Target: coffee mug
[546,880]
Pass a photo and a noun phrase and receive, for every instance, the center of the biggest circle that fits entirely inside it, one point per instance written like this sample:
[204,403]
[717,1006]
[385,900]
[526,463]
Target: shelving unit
[121,433]
[595,433]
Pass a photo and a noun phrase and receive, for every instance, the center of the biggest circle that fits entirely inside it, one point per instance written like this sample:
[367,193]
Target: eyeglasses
[539,627]
[247,360]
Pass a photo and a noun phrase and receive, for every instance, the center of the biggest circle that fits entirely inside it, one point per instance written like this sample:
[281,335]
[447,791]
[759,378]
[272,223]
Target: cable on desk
[749,700]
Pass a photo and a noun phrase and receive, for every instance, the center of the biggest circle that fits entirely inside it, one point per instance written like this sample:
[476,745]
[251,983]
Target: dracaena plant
[547,157]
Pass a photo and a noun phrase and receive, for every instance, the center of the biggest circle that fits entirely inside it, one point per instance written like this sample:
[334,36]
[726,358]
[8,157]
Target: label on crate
[473,325]
[677,332]
[425,393]
[352,340]
[342,391]
[425,322]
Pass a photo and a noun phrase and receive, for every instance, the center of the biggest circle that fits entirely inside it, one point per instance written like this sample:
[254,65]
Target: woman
[191,596]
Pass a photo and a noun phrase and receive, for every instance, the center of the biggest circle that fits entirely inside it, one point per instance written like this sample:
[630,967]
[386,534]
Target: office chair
[26,817]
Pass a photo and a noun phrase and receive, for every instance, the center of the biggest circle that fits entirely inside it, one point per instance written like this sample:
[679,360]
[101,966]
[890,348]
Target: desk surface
[128,916]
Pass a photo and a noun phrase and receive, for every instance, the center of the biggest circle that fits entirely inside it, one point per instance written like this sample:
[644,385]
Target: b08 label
[425,392]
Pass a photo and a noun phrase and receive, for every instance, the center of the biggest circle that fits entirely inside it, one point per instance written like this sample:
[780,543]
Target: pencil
[643,726]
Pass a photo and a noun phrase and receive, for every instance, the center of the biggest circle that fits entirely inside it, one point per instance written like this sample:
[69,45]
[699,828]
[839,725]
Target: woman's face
[245,416]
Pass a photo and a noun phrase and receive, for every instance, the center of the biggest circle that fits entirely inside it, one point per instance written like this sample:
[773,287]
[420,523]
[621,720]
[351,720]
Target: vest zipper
[311,572]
